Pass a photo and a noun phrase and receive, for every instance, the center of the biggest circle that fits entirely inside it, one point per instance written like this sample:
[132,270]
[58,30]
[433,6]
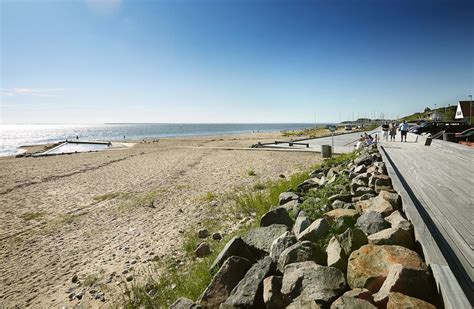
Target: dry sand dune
[78,214]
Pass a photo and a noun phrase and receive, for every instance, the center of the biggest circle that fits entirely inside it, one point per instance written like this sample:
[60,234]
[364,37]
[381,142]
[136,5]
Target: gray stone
[301,224]
[336,256]
[384,180]
[310,281]
[301,252]
[309,183]
[286,197]
[203,233]
[380,205]
[397,220]
[360,169]
[345,197]
[280,244]
[235,246]
[337,204]
[183,303]
[272,296]
[224,281]
[357,183]
[366,196]
[249,292]
[345,302]
[371,222]
[316,230]
[408,281]
[303,304]
[316,173]
[351,240]
[360,293]
[343,223]
[364,177]
[360,191]
[363,160]
[277,215]
[202,250]
[259,240]
[393,198]
[74,279]
[216,236]
[332,172]
[393,236]
[292,207]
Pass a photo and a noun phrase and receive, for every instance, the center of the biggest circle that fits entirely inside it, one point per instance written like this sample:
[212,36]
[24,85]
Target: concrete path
[342,143]
[440,182]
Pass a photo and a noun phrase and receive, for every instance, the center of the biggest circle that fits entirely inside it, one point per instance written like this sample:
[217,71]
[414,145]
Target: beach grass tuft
[251,172]
[32,215]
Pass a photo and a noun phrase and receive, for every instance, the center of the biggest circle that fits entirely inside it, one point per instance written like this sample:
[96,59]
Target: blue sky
[94,61]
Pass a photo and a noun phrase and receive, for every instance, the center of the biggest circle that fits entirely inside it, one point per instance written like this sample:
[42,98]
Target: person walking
[393,131]
[385,129]
[404,129]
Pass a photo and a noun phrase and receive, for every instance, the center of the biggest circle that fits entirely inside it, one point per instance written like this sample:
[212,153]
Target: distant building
[434,116]
[464,110]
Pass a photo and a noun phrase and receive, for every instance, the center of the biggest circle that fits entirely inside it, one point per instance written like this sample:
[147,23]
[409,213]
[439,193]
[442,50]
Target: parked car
[465,136]
[348,127]
[434,127]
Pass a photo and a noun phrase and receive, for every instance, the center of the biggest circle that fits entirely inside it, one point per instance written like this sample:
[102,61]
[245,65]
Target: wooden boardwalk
[437,187]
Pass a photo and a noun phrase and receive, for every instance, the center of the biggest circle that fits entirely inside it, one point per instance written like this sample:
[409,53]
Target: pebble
[74,279]
[216,236]
[129,278]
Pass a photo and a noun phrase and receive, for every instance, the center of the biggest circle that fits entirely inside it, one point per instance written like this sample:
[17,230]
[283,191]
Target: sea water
[14,136]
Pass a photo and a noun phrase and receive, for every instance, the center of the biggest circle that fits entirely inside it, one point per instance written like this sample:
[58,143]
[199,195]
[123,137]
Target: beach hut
[464,111]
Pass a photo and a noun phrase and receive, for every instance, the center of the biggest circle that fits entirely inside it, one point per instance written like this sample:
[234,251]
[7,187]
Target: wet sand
[89,213]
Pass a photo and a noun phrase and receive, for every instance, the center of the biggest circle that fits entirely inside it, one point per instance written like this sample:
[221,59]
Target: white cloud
[33,92]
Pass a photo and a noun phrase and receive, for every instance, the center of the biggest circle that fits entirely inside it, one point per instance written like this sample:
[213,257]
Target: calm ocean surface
[13,136]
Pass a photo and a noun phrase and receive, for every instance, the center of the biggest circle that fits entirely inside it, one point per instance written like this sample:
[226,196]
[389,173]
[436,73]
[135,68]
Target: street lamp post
[470,110]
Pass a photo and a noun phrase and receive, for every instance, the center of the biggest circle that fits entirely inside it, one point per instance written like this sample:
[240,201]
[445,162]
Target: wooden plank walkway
[437,183]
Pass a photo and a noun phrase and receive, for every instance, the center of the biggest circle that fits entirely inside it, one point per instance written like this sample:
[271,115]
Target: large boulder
[406,281]
[310,183]
[272,296]
[369,266]
[360,169]
[393,198]
[301,223]
[398,300]
[364,159]
[224,281]
[335,214]
[315,231]
[308,281]
[249,292]
[235,246]
[383,180]
[301,252]
[351,240]
[345,302]
[336,255]
[357,183]
[360,191]
[371,222]
[259,240]
[292,207]
[393,236]
[398,221]
[277,215]
[380,205]
[360,293]
[286,197]
[344,197]
[280,244]
[303,304]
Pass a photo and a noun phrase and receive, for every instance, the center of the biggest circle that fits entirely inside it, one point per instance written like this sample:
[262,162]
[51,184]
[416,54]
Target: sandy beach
[89,214]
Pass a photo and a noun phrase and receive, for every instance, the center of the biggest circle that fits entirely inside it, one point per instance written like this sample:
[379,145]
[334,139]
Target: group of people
[391,129]
[388,130]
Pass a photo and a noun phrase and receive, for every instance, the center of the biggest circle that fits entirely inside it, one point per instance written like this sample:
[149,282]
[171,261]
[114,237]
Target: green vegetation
[90,280]
[251,173]
[32,215]
[208,197]
[190,277]
[108,196]
[310,132]
[446,113]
